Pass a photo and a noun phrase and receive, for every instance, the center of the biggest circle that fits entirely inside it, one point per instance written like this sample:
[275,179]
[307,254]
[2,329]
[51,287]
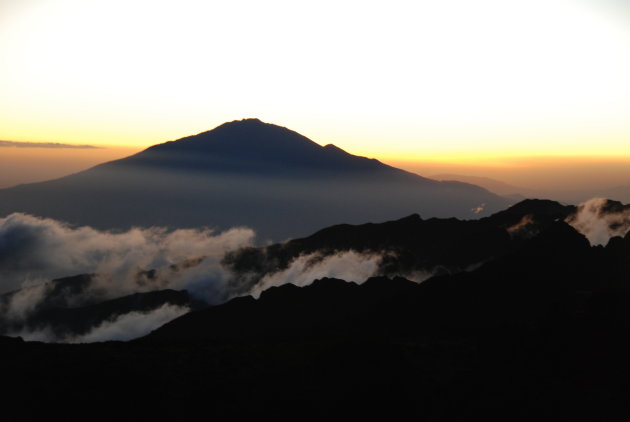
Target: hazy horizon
[28,164]
[569,179]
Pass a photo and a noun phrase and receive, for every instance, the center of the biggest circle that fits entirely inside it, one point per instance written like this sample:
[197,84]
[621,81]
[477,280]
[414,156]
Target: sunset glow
[452,80]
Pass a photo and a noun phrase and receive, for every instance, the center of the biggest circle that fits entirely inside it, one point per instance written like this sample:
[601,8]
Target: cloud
[44,334]
[478,209]
[34,251]
[16,144]
[121,328]
[303,270]
[132,325]
[525,228]
[599,219]
[33,248]
[25,300]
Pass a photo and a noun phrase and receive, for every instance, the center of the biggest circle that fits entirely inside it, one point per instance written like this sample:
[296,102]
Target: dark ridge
[543,211]
[612,207]
[75,321]
[540,330]
[520,287]
[10,341]
[412,244]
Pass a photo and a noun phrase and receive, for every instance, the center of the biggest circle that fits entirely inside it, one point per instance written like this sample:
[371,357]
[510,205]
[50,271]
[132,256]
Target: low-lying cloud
[16,144]
[599,219]
[131,325]
[33,250]
[120,328]
[302,271]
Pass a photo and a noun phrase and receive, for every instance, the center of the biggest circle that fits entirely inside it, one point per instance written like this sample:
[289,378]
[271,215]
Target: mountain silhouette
[539,328]
[245,173]
[411,244]
[250,146]
[69,307]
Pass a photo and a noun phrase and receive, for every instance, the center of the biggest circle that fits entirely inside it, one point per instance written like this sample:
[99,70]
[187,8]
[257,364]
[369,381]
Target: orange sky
[540,173]
[534,93]
[449,81]
[25,165]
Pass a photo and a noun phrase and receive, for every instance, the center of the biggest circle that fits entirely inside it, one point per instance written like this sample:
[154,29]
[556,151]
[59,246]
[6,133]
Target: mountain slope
[411,246]
[522,286]
[542,329]
[245,173]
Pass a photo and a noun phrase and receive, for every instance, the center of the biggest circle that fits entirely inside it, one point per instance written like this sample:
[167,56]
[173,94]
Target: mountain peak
[249,146]
[240,137]
[250,122]
[246,121]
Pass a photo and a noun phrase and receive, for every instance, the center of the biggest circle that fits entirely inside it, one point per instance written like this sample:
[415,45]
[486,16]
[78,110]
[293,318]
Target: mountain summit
[252,146]
[245,173]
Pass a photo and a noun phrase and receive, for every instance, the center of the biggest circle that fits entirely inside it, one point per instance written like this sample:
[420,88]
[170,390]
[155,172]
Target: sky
[28,164]
[484,82]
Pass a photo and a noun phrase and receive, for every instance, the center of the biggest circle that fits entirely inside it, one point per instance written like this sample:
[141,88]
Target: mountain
[70,307]
[541,328]
[411,245]
[245,173]
[519,285]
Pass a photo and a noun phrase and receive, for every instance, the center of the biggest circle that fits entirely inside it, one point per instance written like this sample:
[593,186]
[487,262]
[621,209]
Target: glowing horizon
[406,80]
[426,153]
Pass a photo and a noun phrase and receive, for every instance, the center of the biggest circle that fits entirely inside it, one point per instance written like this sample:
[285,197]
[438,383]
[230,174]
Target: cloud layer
[599,219]
[349,266]
[131,325]
[38,249]
[34,251]
[16,144]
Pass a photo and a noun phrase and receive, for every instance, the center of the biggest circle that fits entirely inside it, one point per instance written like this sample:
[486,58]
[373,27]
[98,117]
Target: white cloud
[132,325]
[598,224]
[41,248]
[349,266]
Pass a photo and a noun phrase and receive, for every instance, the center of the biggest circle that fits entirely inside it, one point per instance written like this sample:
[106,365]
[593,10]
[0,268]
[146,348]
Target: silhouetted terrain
[245,173]
[539,329]
[411,244]
[72,306]
[66,320]
[556,271]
